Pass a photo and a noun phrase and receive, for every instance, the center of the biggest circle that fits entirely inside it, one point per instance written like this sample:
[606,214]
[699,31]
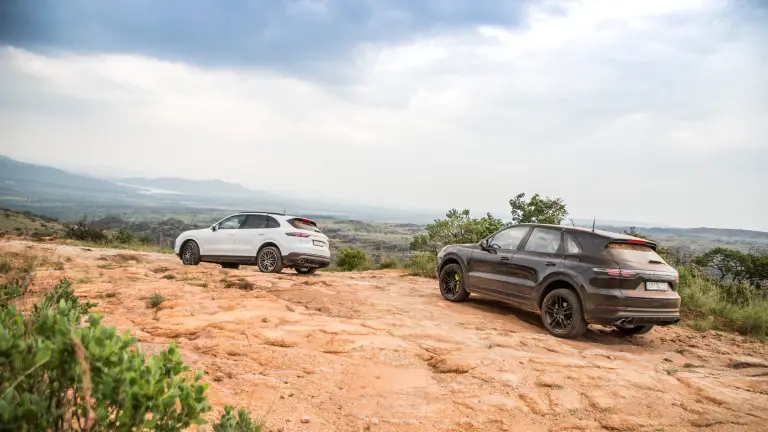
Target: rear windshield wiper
[655,262]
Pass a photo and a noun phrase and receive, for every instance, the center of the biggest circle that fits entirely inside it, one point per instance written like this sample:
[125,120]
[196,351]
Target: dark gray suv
[573,276]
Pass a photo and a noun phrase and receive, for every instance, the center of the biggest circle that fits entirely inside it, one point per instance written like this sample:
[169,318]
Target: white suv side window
[233,222]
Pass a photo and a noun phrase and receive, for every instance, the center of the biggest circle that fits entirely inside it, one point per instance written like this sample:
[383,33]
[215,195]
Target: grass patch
[169,276]
[711,305]
[110,294]
[160,269]
[389,263]
[671,371]
[155,301]
[422,264]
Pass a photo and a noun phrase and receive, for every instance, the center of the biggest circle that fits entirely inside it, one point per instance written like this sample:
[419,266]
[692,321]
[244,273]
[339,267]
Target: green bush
[84,231]
[352,260]
[242,423]
[56,375]
[389,263]
[8,292]
[422,264]
[125,237]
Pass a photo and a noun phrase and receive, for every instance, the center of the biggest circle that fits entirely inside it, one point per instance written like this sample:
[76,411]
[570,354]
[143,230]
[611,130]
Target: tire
[233,266]
[269,260]
[305,270]
[452,283]
[558,306]
[634,330]
[190,253]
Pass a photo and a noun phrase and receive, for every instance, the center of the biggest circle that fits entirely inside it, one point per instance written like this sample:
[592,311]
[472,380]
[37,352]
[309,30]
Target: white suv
[272,241]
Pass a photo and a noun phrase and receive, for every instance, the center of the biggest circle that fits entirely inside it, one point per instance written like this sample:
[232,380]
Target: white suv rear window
[304,224]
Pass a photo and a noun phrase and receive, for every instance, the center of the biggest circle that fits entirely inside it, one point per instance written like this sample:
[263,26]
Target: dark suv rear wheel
[562,314]
[452,283]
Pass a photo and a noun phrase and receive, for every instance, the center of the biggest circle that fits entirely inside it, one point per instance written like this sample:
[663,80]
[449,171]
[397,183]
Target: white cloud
[600,103]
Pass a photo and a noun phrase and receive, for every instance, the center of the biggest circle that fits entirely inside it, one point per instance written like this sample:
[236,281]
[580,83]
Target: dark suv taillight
[619,273]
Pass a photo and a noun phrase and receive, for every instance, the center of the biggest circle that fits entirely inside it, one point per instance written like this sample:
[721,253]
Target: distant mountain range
[60,194]
[56,193]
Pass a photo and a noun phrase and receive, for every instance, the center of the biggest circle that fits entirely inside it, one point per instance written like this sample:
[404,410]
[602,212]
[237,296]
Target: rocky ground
[381,351]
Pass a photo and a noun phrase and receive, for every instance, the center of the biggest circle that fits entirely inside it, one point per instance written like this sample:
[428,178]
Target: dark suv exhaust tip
[626,322]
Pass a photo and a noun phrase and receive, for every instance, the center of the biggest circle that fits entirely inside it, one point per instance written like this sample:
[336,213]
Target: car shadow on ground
[595,334]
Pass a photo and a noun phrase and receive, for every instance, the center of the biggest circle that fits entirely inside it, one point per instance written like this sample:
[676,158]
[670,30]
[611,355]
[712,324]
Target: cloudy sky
[653,110]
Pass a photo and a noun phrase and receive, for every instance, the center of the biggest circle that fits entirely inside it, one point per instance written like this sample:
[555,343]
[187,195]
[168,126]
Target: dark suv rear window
[304,224]
[633,253]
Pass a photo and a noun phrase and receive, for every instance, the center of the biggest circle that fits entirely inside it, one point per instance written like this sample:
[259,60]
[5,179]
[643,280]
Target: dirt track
[382,352]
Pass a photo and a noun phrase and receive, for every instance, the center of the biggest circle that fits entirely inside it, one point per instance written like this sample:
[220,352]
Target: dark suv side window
[571,246]
[544,240]
[509,238]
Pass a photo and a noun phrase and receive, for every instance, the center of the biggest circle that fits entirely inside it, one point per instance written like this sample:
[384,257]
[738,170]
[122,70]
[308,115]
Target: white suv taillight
[297,234]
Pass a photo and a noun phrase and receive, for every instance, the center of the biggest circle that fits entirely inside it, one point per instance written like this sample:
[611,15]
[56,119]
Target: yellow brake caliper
[457,285]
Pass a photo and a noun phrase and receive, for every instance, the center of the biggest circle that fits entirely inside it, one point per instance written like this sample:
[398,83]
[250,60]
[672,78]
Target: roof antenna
[593,224]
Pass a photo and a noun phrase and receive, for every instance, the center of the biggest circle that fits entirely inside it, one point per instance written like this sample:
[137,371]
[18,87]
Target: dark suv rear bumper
[305,260]
[609,307]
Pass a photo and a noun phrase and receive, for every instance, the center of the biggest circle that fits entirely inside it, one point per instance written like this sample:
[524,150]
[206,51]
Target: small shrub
[9,292]
[84,231]
[352,260]
[389,263]
[169,276]
[59,376]
[703,324]
[242,423]
[160,269]
[110,294]
[245,285]
[125,237]
[422,264]
[5,264]
[155,301]
[145,240]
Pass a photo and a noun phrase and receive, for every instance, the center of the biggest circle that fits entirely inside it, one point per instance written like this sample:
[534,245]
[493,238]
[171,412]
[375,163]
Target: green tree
[731,264]
[457,227]
[538,209]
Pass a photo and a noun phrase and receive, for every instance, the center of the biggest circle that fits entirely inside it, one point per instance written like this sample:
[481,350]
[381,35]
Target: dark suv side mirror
[213,227]
[484,244]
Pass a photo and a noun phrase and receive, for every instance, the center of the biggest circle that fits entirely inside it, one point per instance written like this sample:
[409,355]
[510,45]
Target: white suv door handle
[261,234]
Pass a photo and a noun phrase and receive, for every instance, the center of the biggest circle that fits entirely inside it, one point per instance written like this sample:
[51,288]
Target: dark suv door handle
[505,258]
[550,264]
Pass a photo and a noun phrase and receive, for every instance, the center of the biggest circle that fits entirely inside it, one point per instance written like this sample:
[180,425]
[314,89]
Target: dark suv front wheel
[562,314]
[452,283]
